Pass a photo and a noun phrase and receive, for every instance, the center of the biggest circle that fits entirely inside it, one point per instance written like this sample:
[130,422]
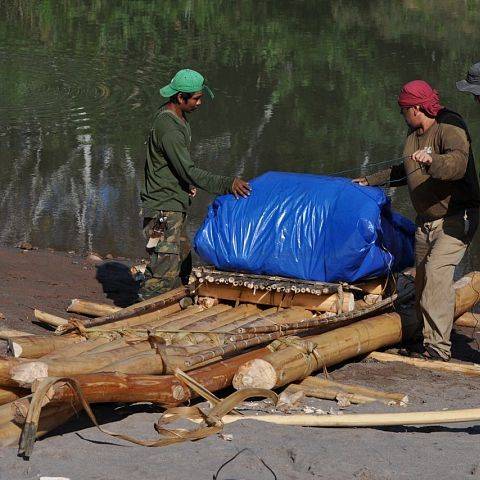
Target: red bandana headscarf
[420,93]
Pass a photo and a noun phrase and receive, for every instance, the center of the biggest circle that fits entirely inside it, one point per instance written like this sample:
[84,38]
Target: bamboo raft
[224,328]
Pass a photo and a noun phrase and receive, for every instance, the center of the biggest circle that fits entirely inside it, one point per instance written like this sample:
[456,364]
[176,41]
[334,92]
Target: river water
[304,86]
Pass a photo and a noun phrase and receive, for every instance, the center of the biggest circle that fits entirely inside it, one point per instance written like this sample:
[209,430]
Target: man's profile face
[410,117]
[192,103]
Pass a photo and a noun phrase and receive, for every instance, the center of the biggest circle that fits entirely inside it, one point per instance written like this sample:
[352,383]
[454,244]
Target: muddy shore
[48,280]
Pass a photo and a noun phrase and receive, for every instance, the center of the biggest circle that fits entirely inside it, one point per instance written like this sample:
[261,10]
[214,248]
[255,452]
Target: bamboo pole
[438,365]
[36,346]
[80,348]
[181,323]
[154,304]
[51,417]
[24,374]
[468,319]
[9,394]
[224,319]
[9,333]
[365,419]
[283,317]
[145,318]
[93,309]
[325,303]
[373,287]
[251,319]
[164,390]
[314,386]
[49,319]
[287,363]
[326,394]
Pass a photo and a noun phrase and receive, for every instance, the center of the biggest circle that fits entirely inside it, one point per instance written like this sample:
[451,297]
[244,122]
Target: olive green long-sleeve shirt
[169,169]
[445,187]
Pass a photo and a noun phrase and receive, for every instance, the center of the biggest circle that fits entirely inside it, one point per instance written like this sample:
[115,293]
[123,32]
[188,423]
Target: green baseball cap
[188,81]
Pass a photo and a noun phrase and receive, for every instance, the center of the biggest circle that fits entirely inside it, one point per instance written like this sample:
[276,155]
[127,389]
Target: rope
[392,161]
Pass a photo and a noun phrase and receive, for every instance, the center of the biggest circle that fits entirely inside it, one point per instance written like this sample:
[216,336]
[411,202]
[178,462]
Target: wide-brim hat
[472,83]
[188,81]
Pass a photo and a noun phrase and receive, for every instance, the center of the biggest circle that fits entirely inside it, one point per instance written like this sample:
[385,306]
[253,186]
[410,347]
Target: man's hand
[421,156]
[362,181]
[192,192]
[241,188]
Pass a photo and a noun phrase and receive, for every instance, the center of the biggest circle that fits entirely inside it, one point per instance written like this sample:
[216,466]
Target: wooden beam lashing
[322,303]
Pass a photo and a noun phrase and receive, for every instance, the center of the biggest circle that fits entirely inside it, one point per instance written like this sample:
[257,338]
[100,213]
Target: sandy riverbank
[48,280]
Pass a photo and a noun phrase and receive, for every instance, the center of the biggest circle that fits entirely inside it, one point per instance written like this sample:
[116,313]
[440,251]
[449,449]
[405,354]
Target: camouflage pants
[171,258]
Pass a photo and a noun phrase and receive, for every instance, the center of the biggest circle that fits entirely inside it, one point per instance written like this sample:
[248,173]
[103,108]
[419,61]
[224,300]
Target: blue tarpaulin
[307,226]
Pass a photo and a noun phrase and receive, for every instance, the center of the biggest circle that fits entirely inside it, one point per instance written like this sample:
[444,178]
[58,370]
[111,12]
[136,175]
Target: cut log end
[15,348]
[26,373]
[255,374]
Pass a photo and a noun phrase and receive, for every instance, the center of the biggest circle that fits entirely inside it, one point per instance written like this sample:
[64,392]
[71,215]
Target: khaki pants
[439,247]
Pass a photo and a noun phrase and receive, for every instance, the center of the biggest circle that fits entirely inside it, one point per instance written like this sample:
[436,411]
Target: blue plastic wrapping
[307,226]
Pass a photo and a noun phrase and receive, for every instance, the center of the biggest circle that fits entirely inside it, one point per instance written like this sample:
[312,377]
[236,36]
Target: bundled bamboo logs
[322,303]
[288,363]
[165,390]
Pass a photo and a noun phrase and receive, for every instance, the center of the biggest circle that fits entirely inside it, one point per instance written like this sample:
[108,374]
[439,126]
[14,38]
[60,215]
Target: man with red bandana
[439,170]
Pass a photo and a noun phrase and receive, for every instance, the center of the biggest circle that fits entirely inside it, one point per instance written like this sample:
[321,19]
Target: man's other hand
[362,181]
[422,156]
[241,188]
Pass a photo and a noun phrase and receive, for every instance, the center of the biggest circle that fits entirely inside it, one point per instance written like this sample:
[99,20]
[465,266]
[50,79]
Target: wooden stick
[93,309]
[328,393]
[385,397]
[451,367]
[49,319]
[366,419]
[325,303]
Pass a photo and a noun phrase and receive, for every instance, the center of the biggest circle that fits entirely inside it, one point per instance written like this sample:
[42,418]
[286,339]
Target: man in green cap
[171,179]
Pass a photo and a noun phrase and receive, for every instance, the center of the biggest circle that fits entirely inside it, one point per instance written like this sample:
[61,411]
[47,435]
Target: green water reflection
[306,86]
